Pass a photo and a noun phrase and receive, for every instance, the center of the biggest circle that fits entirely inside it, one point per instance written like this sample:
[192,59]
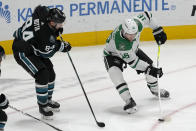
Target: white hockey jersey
[117,45]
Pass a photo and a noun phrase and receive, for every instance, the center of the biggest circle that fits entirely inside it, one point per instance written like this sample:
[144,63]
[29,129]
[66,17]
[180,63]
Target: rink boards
[90,22]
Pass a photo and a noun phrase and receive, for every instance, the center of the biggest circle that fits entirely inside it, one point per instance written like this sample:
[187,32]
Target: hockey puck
[161,120]
[164,119]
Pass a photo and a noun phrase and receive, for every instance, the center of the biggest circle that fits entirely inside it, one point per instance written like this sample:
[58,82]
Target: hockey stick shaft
[26,114]
[98,123]
[159,93]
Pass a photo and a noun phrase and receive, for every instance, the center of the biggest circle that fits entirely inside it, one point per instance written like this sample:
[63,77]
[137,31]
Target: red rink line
[153,128]
[155,125]
[100,90]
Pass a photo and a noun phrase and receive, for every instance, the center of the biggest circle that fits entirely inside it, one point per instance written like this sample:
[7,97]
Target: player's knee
[52,76]
[42,77]
[3,116]
[116,75]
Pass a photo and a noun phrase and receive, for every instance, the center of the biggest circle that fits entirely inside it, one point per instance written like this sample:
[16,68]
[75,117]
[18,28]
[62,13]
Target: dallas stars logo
[122,46]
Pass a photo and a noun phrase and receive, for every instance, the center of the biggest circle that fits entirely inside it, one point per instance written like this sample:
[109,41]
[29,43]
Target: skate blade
[163,98]
[132,110]
[47,117]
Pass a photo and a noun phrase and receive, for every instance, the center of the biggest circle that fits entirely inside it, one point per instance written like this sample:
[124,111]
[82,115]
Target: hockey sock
[50,89]
[42,94]
[123,91]
[153,86]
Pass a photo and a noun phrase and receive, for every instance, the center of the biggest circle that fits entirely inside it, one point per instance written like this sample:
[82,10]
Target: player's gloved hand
[153,71]
[3,102]
[2,53]
[159,35]
[65,46]
[59,31]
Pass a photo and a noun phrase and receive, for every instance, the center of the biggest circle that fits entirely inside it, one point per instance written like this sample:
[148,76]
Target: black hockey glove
[67,47]
[59,31]
[160,36]
[2,53]
[153,71]
[3,102]
[64,46]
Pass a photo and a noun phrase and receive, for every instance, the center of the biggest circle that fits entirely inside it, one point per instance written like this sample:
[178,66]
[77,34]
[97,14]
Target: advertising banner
[97,18]
[96,15]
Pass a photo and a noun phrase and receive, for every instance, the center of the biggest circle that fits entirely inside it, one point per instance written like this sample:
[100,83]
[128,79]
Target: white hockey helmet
[129,26]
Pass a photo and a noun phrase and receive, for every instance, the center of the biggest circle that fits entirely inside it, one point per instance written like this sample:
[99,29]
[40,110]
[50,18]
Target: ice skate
[46,113]
[54,106]
[130,107]
[164,94]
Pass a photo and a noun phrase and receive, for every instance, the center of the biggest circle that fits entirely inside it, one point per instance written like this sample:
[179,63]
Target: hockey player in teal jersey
[122,48]
[3,100]
[34,44]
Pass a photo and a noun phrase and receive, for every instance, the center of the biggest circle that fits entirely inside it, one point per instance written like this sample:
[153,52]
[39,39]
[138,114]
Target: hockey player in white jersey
[122,48]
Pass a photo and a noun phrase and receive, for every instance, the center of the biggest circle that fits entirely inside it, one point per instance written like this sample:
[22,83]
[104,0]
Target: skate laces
[46,109]
[52,102]
[162,91]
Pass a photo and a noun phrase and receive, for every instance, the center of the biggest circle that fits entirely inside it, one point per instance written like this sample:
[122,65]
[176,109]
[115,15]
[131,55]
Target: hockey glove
[160,36]
[2,53]
[3,102]
[65,47]
[59,31]
[153,71]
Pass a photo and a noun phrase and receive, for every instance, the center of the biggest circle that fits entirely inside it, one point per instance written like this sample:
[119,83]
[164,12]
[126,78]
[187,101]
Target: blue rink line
[107,88]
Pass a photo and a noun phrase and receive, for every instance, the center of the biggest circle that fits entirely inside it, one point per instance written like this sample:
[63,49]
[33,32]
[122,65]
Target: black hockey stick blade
[101,124]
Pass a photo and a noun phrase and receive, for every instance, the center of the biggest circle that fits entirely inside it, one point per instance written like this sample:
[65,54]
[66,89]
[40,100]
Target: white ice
[177,58]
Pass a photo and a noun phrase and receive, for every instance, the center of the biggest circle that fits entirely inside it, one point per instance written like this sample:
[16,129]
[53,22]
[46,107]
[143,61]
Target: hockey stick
[100,124]
[26,114]
[159,93]
[161,118]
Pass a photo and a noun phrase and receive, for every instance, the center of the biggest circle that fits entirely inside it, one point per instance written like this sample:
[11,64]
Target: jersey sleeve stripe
[140,26]
[147,15]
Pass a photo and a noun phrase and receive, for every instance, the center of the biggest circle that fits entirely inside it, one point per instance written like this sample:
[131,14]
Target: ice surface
[177,57]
